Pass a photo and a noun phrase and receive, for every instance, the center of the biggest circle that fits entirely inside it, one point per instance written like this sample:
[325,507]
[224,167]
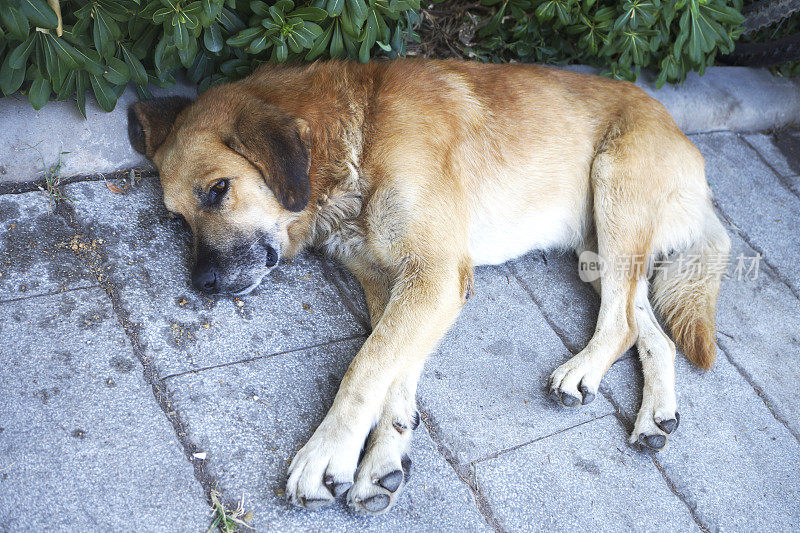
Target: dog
[411,173]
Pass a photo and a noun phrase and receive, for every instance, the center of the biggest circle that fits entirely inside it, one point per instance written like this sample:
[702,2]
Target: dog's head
[237,170]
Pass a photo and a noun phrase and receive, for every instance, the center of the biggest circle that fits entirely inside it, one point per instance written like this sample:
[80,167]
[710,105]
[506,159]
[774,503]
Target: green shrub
[669,37]
[107,43]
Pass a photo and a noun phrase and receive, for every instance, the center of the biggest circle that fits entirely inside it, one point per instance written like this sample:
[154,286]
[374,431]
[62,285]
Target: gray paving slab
[147,258]
[485,386]
[758,323]
[753,198]
[730,459]
[570,305]
[252,417]
[33,139]
[83,443]
[581,479]
[35,249]
[780,149]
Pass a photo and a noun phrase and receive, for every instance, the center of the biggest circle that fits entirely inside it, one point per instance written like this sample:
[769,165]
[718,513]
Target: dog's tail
[685,292]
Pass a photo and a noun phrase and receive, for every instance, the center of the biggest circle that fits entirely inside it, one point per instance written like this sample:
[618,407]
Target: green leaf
[39,93]
[138,73]
[68,87]
[334,7]
[39,13]
[310,13]
[181,36]
[81,84]
[321,44]
[10,78]
[243,37]
[358,11]
[277,15]
[103,93]
[117,71]
[19,55]
[212,38]
[15,22]
[281,51]
[161,15]
[65,51]
[187,54]
[104,33]
[259,44]
[337,45]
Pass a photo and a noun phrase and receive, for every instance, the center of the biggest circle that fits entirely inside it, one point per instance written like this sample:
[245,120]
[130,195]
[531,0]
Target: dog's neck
[338,186]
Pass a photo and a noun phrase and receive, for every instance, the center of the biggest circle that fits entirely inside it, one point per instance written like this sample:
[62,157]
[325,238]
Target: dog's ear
[150,121]
[277,144]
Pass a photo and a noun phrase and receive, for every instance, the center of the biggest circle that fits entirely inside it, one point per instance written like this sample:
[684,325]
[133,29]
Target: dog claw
[337,488]
[668,426]
[376,503]
[415,420]
[654,442]
[587,395]
[569,400]
[312,504]
[391,481]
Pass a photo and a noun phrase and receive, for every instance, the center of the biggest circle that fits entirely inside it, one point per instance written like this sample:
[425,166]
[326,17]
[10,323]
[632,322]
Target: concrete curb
[725,98]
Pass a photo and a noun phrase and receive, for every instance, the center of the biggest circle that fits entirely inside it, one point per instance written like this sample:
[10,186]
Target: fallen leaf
[113,188]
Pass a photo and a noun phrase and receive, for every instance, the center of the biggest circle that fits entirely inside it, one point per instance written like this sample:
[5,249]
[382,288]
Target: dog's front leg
[425,300]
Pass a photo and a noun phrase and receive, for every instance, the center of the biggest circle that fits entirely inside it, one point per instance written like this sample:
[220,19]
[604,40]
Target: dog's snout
[272,256]
[205,278]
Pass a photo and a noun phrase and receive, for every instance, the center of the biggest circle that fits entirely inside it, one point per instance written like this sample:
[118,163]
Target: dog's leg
[576,382]
[385,466]
[622,239]
[424,303]
[376,293]
[658,416]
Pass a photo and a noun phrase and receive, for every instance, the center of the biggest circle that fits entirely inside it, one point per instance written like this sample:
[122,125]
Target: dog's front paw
[322,470]
[385,468]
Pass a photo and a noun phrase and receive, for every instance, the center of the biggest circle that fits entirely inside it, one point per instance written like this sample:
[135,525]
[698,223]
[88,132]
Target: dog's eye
[217,191]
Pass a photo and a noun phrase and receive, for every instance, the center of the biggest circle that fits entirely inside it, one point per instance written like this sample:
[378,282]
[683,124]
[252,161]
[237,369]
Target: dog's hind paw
[575,382]
[652,431]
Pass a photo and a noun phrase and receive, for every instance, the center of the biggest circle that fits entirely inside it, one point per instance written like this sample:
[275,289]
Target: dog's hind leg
[623,244]
[658,415]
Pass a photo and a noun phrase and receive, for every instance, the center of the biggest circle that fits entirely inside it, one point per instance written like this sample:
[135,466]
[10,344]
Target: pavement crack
[627,424]
[763,159]
[772,270]
[267,356]
[749,379]
[160,393]
[466,473]
[330,274]
[40,184]
[562,335]
[51,293]
[495,455]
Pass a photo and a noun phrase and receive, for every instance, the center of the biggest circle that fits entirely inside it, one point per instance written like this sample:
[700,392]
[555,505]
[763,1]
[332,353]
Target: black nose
[272,256]
[204,278]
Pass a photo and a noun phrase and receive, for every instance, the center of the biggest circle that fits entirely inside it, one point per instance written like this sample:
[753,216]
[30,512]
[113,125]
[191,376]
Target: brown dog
[411,173]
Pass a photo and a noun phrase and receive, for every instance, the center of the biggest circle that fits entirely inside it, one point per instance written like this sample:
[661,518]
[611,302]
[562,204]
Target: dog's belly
[496,237]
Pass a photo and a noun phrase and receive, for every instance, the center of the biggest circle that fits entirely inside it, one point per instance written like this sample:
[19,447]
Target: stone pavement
[127,397]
